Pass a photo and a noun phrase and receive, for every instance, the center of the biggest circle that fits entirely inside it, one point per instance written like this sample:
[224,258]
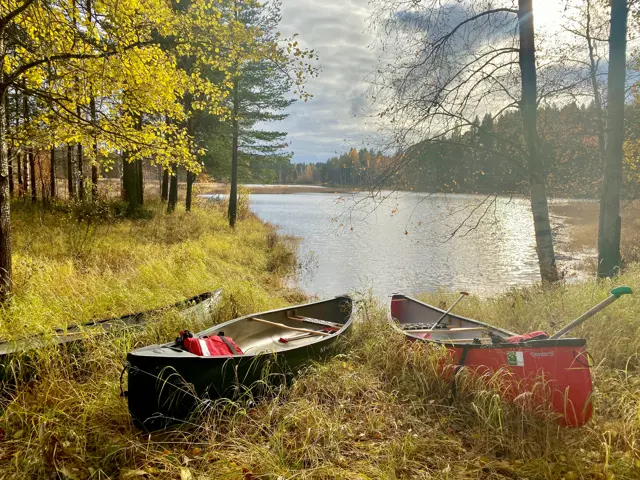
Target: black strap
[463,357]
[228,343]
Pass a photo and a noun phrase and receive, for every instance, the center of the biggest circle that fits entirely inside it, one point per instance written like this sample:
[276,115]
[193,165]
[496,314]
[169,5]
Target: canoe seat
[419,326]
[317,321]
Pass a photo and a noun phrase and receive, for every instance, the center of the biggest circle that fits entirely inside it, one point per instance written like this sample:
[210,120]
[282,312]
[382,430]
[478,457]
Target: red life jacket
[537,335]
[215,346]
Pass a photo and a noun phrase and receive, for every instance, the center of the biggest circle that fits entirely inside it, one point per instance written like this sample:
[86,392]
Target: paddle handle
[287,327]
[616,293]
[462,295]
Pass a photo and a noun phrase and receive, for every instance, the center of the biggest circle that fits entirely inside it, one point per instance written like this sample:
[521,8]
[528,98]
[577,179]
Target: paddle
[462,295]
[616,293]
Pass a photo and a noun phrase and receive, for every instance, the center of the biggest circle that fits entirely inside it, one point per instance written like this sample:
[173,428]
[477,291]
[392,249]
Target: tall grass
[68,271]
[378,410]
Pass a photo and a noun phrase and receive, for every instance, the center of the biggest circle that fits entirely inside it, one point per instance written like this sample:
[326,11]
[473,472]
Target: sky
[335,118]
[338,116]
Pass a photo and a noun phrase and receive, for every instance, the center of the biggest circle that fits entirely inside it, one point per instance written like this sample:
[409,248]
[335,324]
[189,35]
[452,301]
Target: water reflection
[406,243]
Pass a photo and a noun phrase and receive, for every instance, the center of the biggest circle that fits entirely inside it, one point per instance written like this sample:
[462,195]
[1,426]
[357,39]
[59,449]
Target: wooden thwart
[287,327]
[457,329]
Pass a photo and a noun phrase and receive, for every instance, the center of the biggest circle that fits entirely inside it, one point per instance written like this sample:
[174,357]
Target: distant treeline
[484,157]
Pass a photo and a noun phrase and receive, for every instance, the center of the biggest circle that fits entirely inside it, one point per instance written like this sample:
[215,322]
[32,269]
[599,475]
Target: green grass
[67,272]
[379,410]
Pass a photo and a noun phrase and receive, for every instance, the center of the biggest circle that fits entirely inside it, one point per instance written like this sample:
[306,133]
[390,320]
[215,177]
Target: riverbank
[77,263]
[223,189]
[379,410]
[579,238]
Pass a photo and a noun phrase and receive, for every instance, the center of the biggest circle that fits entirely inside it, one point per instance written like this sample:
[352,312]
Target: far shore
[223,188]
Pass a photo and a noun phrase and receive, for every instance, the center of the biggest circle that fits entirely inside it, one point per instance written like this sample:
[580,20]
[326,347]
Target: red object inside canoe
[555,371]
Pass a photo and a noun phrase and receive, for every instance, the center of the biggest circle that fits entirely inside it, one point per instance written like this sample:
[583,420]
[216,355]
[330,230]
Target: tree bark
[130,183]
[19,172]
[28,156]
[190,179]
[164,189]
[18,154]
[140,180]
[94,164]
[233,195]
[52,173]
[537,177]
[5,196]
[25,172]
[79,163]
[9,149]
[593,71]
[173,192]
[610,222]
[10,164]
[32,169]
[70,183]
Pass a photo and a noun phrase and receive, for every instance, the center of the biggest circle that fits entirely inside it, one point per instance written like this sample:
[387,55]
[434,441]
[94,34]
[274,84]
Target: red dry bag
[537,335]
[216,346]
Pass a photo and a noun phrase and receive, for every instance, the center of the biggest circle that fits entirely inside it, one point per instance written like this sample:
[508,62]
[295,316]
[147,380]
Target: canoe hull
[554,372]
[164,390]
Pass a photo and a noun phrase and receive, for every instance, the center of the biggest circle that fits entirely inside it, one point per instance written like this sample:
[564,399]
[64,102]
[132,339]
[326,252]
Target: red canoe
[562,364]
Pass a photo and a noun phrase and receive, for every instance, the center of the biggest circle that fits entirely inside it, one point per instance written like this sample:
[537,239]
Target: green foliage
[264,92]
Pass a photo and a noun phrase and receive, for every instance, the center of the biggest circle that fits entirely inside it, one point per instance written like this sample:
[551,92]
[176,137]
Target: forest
[97,90]
[482,159]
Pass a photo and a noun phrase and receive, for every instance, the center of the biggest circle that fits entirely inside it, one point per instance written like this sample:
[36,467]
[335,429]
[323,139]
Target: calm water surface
[405,243]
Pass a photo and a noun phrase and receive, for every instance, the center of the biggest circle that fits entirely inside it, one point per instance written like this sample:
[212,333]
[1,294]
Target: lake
[406,243]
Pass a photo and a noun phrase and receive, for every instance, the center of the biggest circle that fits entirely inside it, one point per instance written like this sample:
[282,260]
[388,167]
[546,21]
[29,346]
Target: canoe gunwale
[546,343]
[77,332]
[248,356]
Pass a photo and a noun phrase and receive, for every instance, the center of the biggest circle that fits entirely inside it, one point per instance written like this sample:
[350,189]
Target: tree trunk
[79,161]
[173,192]
[9,149]
[537,177]
[70,188]
[19,173]
[25,172]
[190,179]
[5,197]
[140,180]
[164,189]
[28,156]
[130,183]
[17,154]
[32,169]
[593,72]
[233,195]
[610,223]
[52,173]
[10,164]
[94,164]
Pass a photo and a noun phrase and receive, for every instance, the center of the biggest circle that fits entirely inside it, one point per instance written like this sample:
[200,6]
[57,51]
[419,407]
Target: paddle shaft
[602,305]
[282,325]
[462,295]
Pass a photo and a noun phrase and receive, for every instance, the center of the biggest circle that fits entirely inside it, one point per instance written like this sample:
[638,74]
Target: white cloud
[336,118]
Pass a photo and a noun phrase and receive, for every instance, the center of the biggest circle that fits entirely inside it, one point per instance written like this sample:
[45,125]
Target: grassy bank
[380,410]
[77,263]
